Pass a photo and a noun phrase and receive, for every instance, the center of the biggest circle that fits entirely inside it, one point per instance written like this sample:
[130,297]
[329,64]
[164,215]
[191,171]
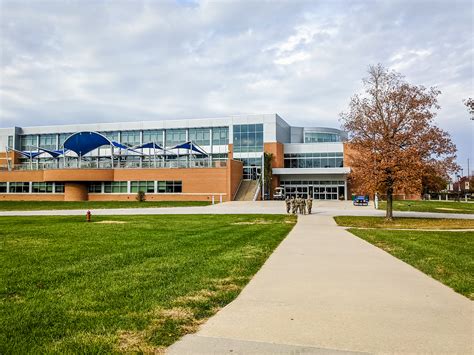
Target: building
[219,155]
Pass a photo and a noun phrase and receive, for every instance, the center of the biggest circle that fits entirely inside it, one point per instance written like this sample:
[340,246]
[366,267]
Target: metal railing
[119,164]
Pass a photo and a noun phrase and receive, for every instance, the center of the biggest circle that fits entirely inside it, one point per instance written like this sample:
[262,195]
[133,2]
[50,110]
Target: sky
[64,62]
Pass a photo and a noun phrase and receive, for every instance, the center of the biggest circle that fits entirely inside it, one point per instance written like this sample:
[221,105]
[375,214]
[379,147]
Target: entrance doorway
[318,190]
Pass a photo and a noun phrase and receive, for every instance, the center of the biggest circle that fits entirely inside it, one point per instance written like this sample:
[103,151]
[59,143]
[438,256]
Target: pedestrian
[293,205]
[303,206]
[288,204]
[310,204]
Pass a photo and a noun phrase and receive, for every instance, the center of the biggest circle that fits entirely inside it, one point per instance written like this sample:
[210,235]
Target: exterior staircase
[247,190]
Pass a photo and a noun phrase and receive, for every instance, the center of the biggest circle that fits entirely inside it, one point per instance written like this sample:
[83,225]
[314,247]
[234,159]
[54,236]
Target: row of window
[314,160]
[150,187]
[312,182]
[34,187]
[318,137]
[169,137]
[248,138]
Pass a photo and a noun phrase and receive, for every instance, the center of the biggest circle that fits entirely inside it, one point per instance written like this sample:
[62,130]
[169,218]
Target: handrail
[257,190]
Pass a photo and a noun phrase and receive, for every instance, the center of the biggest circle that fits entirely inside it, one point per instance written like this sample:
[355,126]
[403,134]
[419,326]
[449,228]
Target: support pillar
[75,191]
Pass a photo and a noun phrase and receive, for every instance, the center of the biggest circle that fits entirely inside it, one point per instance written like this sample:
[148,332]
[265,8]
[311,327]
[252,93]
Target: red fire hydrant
[88,216]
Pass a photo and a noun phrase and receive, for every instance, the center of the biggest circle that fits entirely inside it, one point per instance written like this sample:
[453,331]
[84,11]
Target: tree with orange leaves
[393,136]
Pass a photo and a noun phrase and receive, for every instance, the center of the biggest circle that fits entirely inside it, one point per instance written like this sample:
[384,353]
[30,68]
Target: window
[59,187]
[113,136]
[314,160]
[48,141]
[28,142]
[62,138]
[169,187]
[220,136]
[145,186]
[115,187]
[200,136]
[95,187]
[320,137]
[19,187]
[130,138]
[42,187]
[248,138]
[10,142]
[175,136]
[155,136]
[3,187]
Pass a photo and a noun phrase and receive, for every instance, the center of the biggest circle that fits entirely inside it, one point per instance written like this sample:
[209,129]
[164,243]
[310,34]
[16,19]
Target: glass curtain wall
[314,160]
[319,137]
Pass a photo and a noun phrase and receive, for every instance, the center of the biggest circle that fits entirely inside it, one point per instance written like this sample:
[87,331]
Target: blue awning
[122,146]
[27,154]
[190,146]
[150,145]
[84,142]
[52,153]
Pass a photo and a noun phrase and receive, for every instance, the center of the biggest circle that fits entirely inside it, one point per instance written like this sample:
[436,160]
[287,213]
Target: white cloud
[63,62]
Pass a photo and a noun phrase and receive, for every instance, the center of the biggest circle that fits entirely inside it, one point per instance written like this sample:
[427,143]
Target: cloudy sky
[100,61]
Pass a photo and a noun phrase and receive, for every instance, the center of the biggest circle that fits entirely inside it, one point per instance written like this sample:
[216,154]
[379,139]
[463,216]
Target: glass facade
[59,187]
[48,141]
[220,135]
[155,136]
[42,187]
[320,137]
[115,187]
[314,160]
[3,187]
[248,138]
[62,137]
[28,142]
[113,136]
[19,187]
[200,136]
[130,138]
[10,141]
[175,137]
[318,190]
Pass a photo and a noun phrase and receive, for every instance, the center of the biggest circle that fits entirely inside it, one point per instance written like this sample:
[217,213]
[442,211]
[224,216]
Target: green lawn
[85,205]
[445,256]
[431,206]
[123,283]
[404,223]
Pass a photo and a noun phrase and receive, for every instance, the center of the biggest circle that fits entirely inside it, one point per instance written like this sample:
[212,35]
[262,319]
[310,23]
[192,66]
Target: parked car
[279,193]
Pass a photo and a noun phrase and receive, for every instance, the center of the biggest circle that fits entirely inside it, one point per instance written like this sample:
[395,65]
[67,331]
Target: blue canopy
[122,146]
[150,145]
[84,142]
[53,153]
[190,146]
[27,154]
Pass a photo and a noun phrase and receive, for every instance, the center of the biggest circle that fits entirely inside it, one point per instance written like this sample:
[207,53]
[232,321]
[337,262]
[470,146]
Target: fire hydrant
[88,216]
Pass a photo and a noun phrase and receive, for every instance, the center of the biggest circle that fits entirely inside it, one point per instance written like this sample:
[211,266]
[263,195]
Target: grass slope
[85,205]
[445,256]
[431,206]
[69,286]
[404,223]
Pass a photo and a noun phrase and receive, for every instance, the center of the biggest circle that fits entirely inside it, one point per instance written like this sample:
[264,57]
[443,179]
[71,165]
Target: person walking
[310,204]
[303,206]
[288,204]
[293,205]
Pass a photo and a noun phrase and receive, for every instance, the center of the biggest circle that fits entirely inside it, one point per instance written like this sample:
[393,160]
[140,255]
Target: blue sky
[101,61]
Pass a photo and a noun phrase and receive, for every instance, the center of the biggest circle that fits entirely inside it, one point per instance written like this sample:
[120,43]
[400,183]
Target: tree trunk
[389,210]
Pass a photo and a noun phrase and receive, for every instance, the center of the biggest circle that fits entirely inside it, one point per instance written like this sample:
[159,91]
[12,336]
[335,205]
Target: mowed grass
[123,283]
[87,205]
[430,206]
[404,223]
[445,256]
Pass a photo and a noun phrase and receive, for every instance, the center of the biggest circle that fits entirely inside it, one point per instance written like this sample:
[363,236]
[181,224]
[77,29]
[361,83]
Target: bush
[140,196]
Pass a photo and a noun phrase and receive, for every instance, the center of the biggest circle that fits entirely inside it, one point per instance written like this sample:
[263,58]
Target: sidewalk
[324,290]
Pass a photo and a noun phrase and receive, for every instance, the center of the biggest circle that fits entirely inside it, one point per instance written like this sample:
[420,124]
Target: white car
[279,193]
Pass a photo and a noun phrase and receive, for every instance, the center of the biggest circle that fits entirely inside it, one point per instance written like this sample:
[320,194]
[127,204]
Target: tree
[267,173]
[470,106]
[431,181]
[393,137]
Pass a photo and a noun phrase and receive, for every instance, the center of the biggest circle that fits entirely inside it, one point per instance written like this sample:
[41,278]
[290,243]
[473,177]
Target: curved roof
[84,142]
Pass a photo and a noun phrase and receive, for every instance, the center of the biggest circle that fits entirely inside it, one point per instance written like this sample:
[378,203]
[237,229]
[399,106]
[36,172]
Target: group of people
[298,205]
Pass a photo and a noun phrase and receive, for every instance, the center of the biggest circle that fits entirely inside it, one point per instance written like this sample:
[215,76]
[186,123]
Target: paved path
[324,290]
[323,208]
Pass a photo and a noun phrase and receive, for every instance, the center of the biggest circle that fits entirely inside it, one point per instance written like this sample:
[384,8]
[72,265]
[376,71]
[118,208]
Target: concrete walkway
[324,208]
[324,291]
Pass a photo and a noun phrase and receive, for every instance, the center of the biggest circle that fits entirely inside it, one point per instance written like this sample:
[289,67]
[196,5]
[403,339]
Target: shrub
[140,196]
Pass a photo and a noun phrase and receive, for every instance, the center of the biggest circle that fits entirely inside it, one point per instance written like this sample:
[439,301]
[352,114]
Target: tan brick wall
[234,177]
[79,175]
[277,150]
[21,175]
[156,197]
[32,197]
[75,191]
